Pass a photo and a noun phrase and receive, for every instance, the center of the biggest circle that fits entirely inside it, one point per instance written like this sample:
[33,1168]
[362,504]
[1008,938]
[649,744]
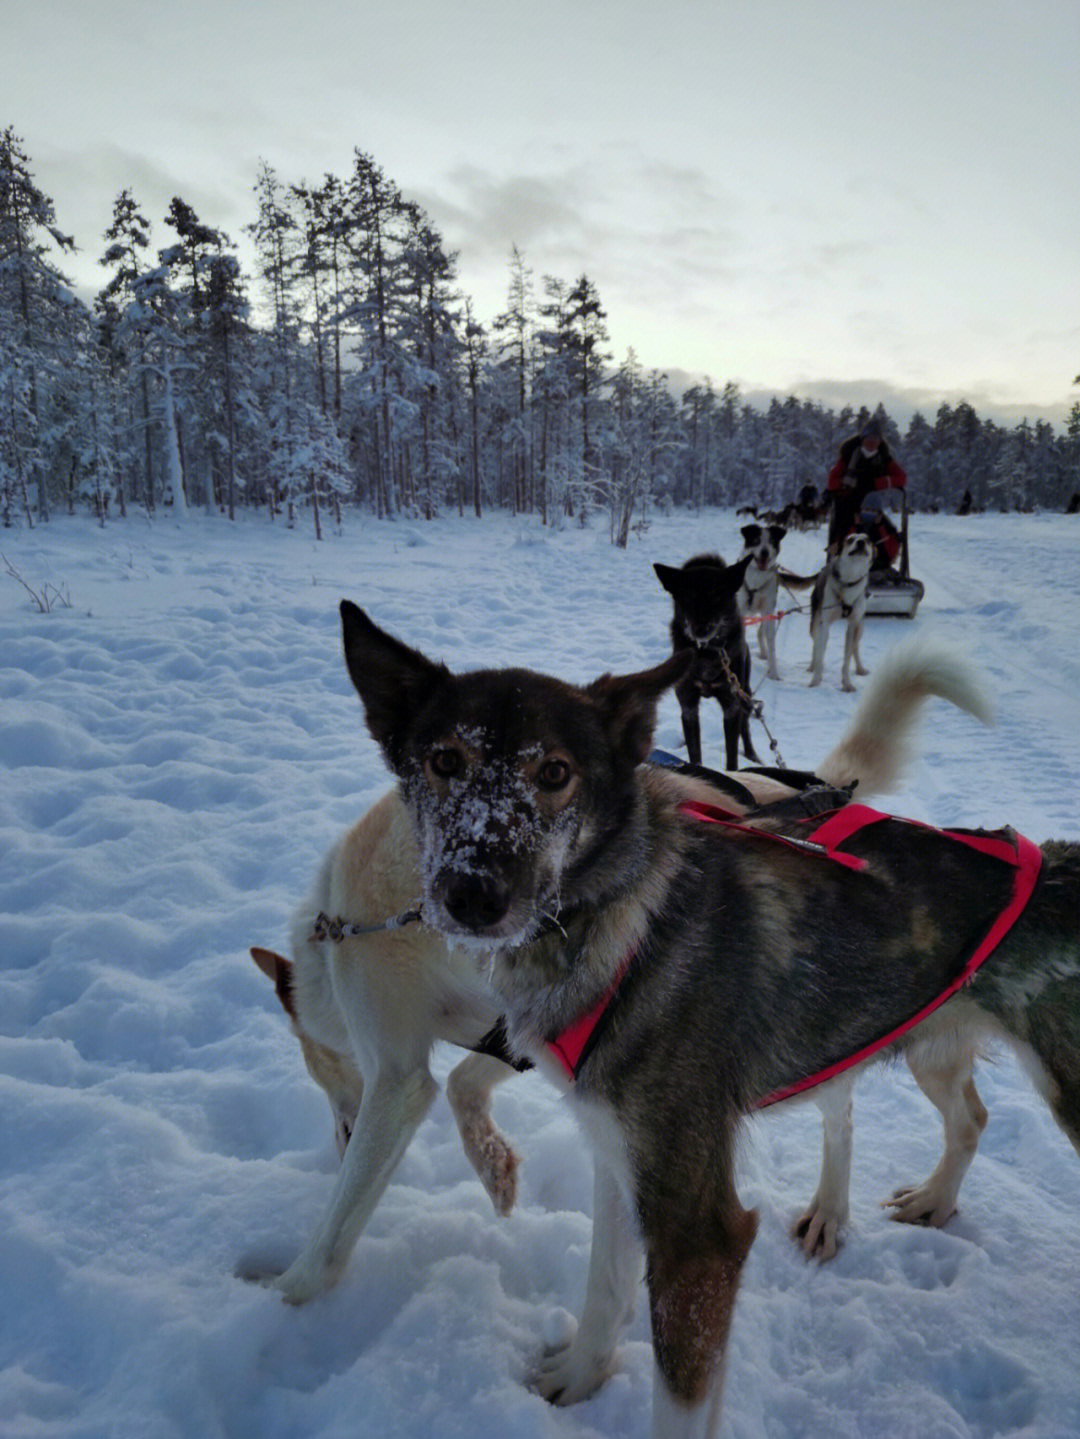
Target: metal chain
[336,930]
[754,707]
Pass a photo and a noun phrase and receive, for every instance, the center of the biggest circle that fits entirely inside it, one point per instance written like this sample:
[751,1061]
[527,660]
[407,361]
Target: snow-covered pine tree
[37,340]
[514,328]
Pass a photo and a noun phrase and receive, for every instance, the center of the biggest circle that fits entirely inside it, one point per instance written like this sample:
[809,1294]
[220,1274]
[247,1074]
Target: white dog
[760,590]
[840,593]
[367,1010]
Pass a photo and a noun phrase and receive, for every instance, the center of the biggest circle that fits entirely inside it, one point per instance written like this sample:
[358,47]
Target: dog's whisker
[553,920]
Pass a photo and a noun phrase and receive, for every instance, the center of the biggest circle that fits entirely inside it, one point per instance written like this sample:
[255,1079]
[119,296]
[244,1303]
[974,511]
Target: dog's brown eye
[446,763]
[553,774]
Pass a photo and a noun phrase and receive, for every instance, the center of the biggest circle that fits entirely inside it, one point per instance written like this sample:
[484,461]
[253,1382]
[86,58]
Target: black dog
[707,621]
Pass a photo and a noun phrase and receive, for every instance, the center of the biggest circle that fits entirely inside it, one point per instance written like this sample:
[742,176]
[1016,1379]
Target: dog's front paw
[818,1231]
[494,1161]
[571,1373]
[304,1281]
[921,1204]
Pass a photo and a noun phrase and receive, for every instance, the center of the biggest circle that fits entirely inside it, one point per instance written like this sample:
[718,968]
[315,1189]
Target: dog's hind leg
[393,1105]
[616,1264]
[1032,987]
[819,634]
[1051,1054]
[817,1229]
[734,724]
[856,641]
[767,647]
[468,1089]
[852,635]
[951,1089]
[748,744]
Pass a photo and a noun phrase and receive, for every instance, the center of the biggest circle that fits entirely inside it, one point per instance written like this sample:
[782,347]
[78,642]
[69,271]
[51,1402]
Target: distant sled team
[670,958]
[714,601]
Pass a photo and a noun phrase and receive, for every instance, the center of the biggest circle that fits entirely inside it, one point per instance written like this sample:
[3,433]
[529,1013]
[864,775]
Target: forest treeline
[351,369]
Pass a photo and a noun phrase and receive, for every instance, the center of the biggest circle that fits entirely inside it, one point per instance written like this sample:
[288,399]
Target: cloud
[85,183]
[900,402]
[484,215]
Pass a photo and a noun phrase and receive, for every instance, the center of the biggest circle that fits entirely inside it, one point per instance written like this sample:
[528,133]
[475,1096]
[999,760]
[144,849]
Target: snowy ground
[176,750]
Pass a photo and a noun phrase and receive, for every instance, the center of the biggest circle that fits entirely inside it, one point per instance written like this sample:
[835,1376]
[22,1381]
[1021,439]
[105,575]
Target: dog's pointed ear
[392,680]
[668,576]
[277,968]
[734,575]
[629,703]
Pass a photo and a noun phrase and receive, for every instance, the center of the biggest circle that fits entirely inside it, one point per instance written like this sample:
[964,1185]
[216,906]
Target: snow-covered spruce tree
[431,346]
[642,441]
[584,337]
[474,357]
[125,328]
[698,415]
[212,331]
[553,388]
[514,329]
[278,361]
[38,335]
[376,223]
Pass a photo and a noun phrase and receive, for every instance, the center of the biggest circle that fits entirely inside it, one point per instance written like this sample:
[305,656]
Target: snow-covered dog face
[496,830]
[512,778]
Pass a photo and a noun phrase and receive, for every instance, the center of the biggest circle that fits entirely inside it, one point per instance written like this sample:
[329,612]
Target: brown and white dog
[840,594]
[368,1009]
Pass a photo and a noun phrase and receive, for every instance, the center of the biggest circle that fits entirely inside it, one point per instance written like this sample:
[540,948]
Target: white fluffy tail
[877,747]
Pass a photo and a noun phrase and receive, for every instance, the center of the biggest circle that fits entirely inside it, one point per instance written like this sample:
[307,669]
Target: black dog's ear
[732,576]
[668,576]
[392,680]
[629,703]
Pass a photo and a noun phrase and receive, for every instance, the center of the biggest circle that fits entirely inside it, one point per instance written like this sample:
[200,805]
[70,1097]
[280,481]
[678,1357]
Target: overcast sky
[848,201]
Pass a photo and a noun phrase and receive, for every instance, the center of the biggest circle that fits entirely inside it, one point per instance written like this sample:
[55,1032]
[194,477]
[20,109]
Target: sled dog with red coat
[368,995]
[723,963]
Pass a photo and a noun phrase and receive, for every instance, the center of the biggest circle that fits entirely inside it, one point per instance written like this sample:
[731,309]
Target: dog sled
[891,589]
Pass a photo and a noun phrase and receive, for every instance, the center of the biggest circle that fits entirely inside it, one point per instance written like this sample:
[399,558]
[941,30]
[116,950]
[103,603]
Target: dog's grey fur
[754,965]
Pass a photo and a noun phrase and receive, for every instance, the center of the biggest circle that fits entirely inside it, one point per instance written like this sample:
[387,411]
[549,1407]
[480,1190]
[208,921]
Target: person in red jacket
[865,464]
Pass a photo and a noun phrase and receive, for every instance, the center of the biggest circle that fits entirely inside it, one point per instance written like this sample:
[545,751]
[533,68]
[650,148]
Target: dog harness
[572,1047]
[847,605]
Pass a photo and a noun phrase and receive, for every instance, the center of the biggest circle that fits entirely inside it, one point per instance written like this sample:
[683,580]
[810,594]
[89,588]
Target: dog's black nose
[476,901]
